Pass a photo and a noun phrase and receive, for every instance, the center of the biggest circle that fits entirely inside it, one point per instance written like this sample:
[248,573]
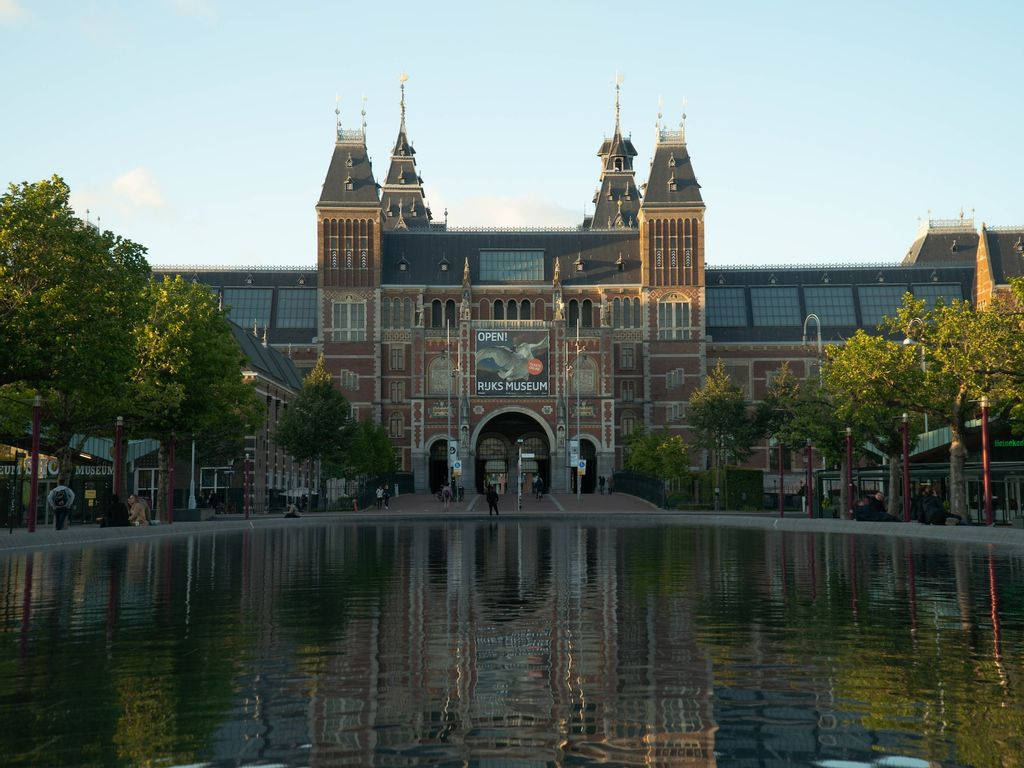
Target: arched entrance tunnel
[589,452]
[497,452]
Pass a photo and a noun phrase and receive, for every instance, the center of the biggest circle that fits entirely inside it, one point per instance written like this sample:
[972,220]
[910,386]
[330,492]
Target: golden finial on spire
[401,85]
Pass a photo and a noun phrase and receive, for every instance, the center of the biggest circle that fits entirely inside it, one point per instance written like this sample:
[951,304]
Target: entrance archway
[497,451]
[437,464]
[588,451]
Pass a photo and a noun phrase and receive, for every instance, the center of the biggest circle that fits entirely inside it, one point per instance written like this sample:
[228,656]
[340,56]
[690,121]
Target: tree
[188,375]
[721,421]
[370,452]
[317,425]
[659,454]
[70,296]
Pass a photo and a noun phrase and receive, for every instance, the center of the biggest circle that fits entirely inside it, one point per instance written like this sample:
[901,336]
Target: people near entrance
[538,487]
[611,485]
[933,512]
[291,510]
[871,509]
[116,515]
[492,500]
[600,485]
[138,512]
[380,497]
[385,497]
[60,501]
[446,495]
[460,491]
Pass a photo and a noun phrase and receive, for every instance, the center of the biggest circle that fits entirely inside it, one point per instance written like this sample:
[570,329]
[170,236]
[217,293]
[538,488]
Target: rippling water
[514,645]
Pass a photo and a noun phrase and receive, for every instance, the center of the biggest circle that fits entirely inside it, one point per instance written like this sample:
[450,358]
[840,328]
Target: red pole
[170,481]
[33,491]
[986,468]
[782,498]
[809,482]
[245,487]
[849,470]
[904,433]
[118,458]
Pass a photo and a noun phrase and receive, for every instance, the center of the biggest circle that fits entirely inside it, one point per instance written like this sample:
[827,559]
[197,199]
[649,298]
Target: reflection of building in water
[513,644]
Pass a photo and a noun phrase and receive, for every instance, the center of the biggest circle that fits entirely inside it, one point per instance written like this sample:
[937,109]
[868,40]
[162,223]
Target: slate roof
[402,199]
[671,181]
[1005,252]
[350,180]
[858,292]
[266,360]
[424,252]
[939,244]
[617,200]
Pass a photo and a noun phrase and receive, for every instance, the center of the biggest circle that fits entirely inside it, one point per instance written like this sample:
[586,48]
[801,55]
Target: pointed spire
[682,122]
[362,112]
[401,85]
[465,273]
[556,278]
[337,113]
[618,86]
[264,336]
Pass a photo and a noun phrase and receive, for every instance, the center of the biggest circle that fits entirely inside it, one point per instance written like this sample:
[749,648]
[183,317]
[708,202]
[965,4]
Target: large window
[932,291]
[775,305]
[726,307]
[349,321]
[673,320]
[296,308]
[833,304]
[626,313]
[512,266]
[396,313]
[250,306]
[878,301]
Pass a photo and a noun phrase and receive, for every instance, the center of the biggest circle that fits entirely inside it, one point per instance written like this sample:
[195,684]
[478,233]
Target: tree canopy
[317,425]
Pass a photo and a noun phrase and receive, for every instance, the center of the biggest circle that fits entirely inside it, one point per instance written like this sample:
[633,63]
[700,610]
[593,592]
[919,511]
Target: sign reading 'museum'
[511,363]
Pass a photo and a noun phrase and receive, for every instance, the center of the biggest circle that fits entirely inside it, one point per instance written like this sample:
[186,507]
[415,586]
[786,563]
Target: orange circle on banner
[535,366]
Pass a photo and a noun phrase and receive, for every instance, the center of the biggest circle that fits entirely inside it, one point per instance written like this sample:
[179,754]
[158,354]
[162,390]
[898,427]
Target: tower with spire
[617,200]
[402,200]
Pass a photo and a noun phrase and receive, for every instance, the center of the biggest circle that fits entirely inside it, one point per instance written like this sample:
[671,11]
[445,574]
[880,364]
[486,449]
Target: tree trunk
[895,488]
[845,503]
[957,459]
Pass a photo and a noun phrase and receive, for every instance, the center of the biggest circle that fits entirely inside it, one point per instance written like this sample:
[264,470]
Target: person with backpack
[492,500]
[61,500]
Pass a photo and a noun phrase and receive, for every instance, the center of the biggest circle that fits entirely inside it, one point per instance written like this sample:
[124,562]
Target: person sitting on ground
[291,510]
[934,511]
[871,509]
[138,512]
[117,513]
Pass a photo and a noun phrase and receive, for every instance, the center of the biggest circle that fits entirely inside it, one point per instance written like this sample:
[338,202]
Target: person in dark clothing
[117,513]
[871,509]
[934,512]
[492,500]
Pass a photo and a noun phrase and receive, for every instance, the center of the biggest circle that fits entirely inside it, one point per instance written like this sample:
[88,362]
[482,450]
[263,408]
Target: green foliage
[370,452]
[659,454]
[317,425]
[720,419]
[741,489]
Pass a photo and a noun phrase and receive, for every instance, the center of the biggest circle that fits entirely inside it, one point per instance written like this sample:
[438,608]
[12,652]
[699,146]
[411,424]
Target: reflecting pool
[512,644]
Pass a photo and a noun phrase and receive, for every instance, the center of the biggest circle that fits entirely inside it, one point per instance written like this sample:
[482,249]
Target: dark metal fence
[646,487]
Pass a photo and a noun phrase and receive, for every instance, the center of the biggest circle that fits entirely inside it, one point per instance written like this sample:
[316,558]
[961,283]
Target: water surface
[512,644]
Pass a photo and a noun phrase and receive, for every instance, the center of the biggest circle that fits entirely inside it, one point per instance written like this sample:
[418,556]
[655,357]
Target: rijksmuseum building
[485,336]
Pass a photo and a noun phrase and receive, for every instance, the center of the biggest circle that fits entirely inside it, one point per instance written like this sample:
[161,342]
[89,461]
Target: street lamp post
[817,323]
[849,471]
[246,496]
[519,476]
[782,477]
[924,365]
[192,479]
[579,439]
[904,434]
[33,490]
[118,455]
[448,433]
[808,492]
[170,481]
[986,467]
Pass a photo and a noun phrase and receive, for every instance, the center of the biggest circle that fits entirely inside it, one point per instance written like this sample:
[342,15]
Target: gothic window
[673,247]
[406,313]
[436,319]
[659,246]
[524,310]
[587,314]
[673,320]
[396,425]
[628,391]
[449,313]
[626,356]
[499,310]
[574,313]
[628,424]
[397,358]
[485,307]
[618,163]
[512,310]
[398,391]
[585,376]
[348,379]
[689,236]
[617,313]
[385,313]
[638,315]
[349,321]
[348,249]
[331,230]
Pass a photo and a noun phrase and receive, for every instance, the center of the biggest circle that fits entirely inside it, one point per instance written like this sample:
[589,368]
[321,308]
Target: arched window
[538,310]
[435,314]
[574,313]
[587,314]
[396,425]
[638,315]
[449,312]
[586,376]
[617,313]
[512,310]
[407,313]
[628,423]
[524,310]
[437,376]
[499,310]
[385,313]
[618,163]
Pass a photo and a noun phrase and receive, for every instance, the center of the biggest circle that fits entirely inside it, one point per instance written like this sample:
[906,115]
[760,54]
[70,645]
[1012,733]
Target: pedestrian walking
[600,483]
[446,495]
[380,497]
[492,500]
[60,500]
[538,487]
[386,497]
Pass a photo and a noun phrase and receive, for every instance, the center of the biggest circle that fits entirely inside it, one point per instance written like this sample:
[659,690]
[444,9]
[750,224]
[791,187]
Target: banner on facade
[512,363]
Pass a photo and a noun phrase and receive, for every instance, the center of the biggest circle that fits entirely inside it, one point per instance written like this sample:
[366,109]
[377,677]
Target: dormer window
[617,163]
[625,194]
[248,279]
[1019,245]
[578,264]
[953,248]
[348,160]
[672,160]
[673,185]
[610,196]
[403,265]
[349,183]
[444,265]
[619,263]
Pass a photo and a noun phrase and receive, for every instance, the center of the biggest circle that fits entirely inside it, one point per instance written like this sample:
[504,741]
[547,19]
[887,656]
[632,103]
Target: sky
[820,132]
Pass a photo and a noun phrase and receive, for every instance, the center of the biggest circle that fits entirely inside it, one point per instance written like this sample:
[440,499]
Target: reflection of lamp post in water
[579,440]
[519,475]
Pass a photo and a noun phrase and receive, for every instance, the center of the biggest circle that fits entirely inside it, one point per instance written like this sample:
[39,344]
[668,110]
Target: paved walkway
[618,509]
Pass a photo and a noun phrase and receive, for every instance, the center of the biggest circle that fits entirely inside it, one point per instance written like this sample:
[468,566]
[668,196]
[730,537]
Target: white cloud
[199,9]
[505,211]
[11,11]
[137,189]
